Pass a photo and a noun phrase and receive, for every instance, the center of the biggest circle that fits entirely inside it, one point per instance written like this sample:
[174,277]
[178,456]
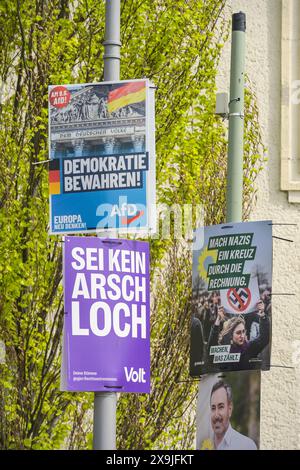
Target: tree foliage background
[42,42]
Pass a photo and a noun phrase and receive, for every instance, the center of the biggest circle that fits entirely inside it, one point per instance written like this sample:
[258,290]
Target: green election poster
[231,300]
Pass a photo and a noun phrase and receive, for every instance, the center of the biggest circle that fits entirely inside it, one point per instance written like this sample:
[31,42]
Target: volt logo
[135,375]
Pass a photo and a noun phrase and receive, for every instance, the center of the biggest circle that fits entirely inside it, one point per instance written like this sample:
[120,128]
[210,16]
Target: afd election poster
[102,157]
[231,300]
[227,415]
[106,340]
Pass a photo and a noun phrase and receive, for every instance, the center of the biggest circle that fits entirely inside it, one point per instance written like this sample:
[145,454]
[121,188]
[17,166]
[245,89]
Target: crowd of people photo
[247,334]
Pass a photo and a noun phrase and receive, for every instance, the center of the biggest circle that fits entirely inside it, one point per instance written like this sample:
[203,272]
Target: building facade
[273,67]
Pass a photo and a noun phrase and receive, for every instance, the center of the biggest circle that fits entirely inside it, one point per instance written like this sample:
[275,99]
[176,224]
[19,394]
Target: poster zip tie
[110,242]
[42,162]
[198,379]
[282,293]
[116,386]
[285,239]
[284,224]
[282,367]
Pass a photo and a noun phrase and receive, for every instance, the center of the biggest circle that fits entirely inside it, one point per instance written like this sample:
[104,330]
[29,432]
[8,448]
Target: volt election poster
[106,339]
[102,157]
[231,301]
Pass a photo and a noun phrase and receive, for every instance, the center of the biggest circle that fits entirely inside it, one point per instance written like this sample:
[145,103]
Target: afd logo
[135,375]
[121,214]
[128,213]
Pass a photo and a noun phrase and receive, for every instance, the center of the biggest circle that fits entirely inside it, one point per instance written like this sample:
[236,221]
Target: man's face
[239,334]
[220,412]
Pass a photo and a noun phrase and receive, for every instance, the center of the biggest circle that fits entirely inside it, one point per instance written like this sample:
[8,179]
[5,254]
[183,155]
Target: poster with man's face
[228,411]
[231,303]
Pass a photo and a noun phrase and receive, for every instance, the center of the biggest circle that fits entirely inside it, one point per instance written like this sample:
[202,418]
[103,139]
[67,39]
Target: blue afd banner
[102,157]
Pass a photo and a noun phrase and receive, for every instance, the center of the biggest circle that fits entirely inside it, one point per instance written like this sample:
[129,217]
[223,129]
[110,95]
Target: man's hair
[221,384]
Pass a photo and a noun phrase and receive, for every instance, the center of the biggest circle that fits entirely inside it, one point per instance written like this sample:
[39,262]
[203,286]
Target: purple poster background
[106,344]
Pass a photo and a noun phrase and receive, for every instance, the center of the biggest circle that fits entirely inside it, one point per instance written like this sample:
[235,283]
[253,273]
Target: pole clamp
[241,115]
[111,42]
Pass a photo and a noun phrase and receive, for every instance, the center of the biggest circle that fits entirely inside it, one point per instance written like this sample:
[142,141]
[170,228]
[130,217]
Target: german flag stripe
[54,164]
[125,100]
[124,90]
[54,176]
[54,188]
